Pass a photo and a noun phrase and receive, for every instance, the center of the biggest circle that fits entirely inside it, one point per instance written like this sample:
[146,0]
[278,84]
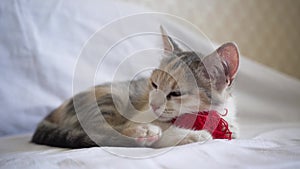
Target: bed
[50,50]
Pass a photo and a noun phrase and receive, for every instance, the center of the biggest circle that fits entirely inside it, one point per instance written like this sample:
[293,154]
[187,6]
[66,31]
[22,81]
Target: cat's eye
[154,85]
[174,94]
[107,113]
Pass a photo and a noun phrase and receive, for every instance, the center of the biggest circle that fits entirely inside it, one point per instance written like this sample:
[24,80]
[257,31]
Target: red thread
[210,121]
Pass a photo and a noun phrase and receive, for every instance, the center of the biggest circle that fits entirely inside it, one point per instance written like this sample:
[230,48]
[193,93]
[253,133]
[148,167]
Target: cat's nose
[154,107]
[157,100]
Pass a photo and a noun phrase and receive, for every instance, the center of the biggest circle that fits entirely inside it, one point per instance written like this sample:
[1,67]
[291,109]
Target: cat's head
[187,82]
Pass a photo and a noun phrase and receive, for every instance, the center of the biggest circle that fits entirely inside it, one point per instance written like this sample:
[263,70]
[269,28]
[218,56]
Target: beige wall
[267,31]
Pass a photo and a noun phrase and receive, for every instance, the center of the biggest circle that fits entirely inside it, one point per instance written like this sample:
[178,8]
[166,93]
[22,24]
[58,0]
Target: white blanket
[40,42]
[275,149]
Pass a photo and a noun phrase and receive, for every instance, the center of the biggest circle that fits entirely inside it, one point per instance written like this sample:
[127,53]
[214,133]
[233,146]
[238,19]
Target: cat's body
[183,83]
[62,127]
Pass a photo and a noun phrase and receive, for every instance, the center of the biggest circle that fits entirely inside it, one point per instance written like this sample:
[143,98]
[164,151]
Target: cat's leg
[52,134]
[143,134]
[178,136]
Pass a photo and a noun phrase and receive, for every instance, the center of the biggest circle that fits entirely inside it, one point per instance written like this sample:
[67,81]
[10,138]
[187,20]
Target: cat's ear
[169,45]
[222,65]
[229,53]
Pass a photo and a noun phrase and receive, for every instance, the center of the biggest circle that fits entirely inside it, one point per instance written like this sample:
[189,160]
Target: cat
[184,82]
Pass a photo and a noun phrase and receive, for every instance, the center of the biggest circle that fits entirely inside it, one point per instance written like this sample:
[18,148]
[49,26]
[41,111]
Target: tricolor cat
[184,82]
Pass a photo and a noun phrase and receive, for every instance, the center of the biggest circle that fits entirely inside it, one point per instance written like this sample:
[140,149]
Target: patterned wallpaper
[267,31]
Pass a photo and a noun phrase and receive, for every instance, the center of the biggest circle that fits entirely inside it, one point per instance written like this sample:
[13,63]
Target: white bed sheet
[275,149]
[267,101]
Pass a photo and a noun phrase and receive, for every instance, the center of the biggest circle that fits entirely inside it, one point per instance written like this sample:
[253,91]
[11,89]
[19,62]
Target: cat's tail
[51,134]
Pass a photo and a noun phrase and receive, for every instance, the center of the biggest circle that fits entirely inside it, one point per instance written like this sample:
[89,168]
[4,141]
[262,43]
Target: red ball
[210,121]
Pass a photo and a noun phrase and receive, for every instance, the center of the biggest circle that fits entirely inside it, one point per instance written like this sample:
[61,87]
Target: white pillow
[41,42]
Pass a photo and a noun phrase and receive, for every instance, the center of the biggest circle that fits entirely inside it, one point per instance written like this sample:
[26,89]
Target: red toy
[210,121]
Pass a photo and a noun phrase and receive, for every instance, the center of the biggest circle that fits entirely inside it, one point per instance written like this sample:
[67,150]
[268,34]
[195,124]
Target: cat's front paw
[196,136]
[144,134]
